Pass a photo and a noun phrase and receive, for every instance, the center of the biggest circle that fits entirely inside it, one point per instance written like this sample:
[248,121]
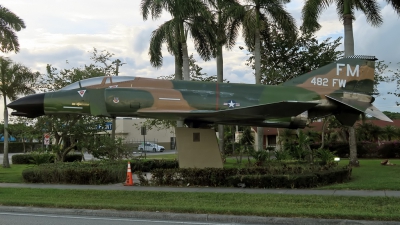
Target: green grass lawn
[371,176]
[368,208]
[13,174]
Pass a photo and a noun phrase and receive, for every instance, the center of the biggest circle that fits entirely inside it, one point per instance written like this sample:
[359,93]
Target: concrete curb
[207,218]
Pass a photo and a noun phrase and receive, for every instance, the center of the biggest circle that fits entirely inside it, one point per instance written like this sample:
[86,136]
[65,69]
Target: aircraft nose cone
[29,106]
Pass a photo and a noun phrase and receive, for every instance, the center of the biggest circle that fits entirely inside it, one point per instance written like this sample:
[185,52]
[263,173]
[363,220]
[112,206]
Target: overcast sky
[58,31]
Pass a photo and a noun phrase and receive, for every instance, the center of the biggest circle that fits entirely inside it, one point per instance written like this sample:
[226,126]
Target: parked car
[151,147]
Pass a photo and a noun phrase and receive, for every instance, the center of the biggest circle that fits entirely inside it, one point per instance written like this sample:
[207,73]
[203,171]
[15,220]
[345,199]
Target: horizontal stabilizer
[362,106]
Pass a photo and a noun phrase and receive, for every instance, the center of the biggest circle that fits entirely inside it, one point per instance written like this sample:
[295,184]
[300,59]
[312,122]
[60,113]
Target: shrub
[76,173]
[147,166]
[41,158]
[282,176]
[389,149]
[282,155]
[73,158]
[325,156]
[341,148]
[21,159]
[33,158]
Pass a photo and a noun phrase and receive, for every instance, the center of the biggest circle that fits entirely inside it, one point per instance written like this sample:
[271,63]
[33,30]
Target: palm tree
[345,10]
[9,24]
[227,23]
[188,17]
[167,33]
[258,15]
[389,132]
[15,79]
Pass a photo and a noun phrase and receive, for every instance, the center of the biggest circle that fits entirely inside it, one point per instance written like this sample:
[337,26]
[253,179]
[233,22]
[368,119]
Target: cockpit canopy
[98,82]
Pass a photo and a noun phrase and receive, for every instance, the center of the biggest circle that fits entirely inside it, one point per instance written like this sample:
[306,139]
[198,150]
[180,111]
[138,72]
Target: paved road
[21,218]
[46,216]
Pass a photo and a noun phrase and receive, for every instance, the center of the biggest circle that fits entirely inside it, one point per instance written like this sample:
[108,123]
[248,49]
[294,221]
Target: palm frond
[310,13]
[371,10]
[9,24]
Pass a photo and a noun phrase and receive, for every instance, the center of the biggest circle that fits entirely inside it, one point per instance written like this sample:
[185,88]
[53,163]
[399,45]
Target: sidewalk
[366,193]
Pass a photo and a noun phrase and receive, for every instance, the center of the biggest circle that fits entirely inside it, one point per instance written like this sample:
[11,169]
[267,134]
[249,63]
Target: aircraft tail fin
[353,74]
[347,84]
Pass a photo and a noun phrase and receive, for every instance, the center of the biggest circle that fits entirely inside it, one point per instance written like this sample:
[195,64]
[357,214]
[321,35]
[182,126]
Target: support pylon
[129,178]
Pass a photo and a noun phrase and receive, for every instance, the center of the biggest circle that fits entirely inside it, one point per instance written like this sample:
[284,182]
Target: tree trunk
[348,35]
[220,78]
[323,133]
[178,69]
[257,68]
[113,128]
[353,148]
[178,76]
[6,163]
[349,51]
[260,138]
[185,59]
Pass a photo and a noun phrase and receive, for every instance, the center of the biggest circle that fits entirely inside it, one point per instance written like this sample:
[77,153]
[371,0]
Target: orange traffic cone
[129,179]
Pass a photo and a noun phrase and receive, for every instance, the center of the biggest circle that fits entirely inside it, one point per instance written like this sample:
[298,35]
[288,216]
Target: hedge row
[253,177]
[97,172]
[18,147]
[365,149]
[40,158]
[147,166]
[76,173]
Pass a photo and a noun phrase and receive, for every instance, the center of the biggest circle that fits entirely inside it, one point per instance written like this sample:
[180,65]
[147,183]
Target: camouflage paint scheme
[342,88]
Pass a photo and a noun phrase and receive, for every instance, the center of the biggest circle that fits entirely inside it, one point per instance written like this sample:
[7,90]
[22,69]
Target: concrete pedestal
[197,148]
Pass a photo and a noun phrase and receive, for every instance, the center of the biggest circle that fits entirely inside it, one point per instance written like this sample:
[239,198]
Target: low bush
[41,158]
[76,173]
[22,159]
[147,166]
[73,158]
[389,149]
[285,175]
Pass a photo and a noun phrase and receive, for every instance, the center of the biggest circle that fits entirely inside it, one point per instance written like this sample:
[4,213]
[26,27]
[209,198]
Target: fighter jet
[342,88]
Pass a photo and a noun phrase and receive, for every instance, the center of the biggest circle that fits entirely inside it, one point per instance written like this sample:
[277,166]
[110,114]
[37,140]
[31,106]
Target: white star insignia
[231,104]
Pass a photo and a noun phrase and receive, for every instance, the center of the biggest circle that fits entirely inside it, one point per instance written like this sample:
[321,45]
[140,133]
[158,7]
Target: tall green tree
[188,17]
[259,14]
[283,59]
[167,33]
[15,80]
[111,68]
[227,23]
[70,131]
[345,10]
[10,23]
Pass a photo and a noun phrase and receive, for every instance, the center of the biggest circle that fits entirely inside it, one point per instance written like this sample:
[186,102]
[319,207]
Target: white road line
[109,219]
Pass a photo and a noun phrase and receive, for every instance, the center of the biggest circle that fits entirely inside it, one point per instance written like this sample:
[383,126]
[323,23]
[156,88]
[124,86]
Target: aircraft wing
[278,109]
[259,112]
